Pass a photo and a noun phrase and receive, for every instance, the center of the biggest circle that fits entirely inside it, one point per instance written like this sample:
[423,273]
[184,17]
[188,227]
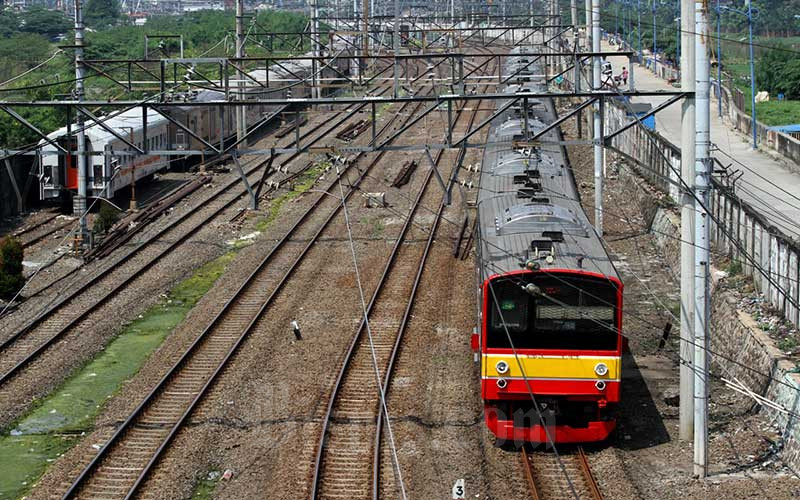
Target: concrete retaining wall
[740,349]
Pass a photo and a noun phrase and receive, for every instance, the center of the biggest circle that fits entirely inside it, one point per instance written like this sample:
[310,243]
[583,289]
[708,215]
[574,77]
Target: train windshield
[559,312]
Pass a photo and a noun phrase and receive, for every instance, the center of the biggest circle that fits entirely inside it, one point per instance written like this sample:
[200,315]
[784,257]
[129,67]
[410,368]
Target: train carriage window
[568,312]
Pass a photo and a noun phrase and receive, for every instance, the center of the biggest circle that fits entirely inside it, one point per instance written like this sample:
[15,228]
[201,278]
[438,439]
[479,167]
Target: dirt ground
[261,420]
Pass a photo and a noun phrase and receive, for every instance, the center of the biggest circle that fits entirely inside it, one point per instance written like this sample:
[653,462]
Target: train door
[180,140]
[68,165]
[101,171]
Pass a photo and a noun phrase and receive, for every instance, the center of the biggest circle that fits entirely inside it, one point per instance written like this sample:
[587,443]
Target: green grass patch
[734,268]
[301,185]
[204,489]
[56,423]
[771,113]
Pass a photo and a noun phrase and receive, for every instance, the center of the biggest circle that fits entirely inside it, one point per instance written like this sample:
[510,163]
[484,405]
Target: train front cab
[565,332]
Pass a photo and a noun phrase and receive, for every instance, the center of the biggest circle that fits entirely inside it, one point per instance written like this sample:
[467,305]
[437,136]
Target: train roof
[121,123]
[529,205]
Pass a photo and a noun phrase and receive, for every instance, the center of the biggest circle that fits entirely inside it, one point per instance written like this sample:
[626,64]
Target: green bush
[11,279]
[107,216]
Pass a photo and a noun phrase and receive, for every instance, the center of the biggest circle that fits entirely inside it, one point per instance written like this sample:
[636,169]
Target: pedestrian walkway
[766,184]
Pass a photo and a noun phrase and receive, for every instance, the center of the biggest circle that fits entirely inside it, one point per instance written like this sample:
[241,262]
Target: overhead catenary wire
[31,70]
[381,391]
[710,35]
[537,408]
[684,185]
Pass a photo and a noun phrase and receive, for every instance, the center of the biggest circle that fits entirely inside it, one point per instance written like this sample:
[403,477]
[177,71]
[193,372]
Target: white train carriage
[215,124]
[59,173]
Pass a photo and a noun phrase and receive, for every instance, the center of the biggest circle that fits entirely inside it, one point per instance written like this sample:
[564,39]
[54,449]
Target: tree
[22,51]
[778,71]
[50,23]
[101,13]
[9,22]
[11,279]
[107,216]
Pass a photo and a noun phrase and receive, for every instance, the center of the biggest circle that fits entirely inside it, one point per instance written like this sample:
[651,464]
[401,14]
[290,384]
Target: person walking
[624,75]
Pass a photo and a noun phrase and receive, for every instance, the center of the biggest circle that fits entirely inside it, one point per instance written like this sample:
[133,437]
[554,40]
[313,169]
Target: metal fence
[768,255]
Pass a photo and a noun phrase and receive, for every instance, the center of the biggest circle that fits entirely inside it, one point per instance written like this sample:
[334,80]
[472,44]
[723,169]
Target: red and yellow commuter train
[550,300]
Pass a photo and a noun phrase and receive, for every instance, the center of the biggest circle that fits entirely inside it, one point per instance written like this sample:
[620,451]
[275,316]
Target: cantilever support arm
[485,122]
[411,123]
[187,130]
[257,127]
[562,119]
[638,119]
[240,171]
[438,176]
[108,129]
[32,127]
[520,70]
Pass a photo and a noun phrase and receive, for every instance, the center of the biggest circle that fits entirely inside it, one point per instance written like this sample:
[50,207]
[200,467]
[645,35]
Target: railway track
[34,234]
[348,457]
[25,346]
[125,461]
[546,474]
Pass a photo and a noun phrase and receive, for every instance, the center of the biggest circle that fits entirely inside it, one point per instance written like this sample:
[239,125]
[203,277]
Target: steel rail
[39,237]
[528,471]
[352,347]
[373,300]
[587,474]
[354,341]
[119,433]
[28,229]
[580,462]
[34,354]
[376,466]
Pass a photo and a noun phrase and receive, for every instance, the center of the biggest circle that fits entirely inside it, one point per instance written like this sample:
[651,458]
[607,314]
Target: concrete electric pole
[396,44]
[317,51]
[686,412]
[702,252]
[79,202]
[598,122]
[241,116]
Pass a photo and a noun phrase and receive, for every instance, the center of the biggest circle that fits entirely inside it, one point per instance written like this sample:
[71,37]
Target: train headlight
[532,265]
[600,385]
[502,367]
[502,383]
[601,369]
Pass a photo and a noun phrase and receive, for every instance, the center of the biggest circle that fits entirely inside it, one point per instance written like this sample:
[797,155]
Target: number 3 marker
[458,490]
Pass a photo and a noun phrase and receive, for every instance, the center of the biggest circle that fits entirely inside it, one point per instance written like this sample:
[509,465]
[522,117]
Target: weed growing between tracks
[204,490]
[58,421]
[303,184]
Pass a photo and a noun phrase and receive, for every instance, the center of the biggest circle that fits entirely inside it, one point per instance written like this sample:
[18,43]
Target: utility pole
[588,30]
[598,123]
[573,7]
[655,33]
[315,84]
[366,33]
[686,413]
[396,44]
[702,250]
[79,202]
[639,28]
[754,123]
[719,60]
[240,110]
